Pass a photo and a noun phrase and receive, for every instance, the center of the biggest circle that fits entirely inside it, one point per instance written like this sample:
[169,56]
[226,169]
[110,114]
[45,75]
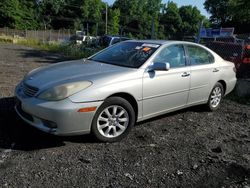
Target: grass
[70,50]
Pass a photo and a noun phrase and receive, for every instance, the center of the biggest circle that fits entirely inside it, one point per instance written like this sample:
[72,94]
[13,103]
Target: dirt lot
[188,148]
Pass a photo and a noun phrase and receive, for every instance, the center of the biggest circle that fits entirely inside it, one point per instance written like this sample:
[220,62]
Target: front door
[166,90]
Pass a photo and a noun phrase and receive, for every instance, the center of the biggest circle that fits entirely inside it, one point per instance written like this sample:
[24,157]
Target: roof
[161,42]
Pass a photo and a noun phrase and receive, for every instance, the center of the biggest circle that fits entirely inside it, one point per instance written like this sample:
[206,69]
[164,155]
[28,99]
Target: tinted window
[127,54]
[199,56]
[174,55]
[105,41]
[115,40]
[123,39]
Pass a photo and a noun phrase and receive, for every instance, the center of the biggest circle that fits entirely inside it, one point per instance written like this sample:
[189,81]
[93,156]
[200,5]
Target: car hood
[71,71]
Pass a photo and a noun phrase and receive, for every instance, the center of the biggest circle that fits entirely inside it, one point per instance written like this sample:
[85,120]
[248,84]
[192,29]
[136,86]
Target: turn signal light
[88,109]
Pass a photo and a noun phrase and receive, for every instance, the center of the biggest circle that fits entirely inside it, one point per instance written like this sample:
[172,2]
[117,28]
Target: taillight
[246,60]
[248,47]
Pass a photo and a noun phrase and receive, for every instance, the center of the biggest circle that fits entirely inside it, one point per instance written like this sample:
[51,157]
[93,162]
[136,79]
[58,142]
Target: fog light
[49,124]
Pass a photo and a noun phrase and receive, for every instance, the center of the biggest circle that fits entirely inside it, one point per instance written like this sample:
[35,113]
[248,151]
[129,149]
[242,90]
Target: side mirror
[160,66]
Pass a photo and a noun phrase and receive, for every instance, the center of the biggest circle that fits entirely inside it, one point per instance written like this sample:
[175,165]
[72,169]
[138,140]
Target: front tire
[113,120]
[215,97]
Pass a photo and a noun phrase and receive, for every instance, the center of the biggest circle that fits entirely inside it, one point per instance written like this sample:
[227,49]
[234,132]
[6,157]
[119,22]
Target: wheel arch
[223,83]
[130,98]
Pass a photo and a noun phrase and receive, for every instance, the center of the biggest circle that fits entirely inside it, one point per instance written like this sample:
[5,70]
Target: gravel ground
[188,148]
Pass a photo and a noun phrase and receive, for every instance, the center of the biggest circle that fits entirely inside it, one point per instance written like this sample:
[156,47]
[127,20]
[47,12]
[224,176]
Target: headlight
[63,91]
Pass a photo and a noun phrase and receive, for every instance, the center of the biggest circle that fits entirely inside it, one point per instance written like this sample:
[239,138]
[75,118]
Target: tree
[114,19]
[48,10]
[242,16]
[230,13]
[138,17]
[171,20]
[191,19]
[220,10]
[18,14]
[91,12]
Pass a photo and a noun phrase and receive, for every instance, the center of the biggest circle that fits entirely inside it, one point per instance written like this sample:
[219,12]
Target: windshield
[127,54]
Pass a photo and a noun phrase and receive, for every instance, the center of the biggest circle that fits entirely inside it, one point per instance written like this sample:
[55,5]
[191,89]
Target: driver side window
[174,55]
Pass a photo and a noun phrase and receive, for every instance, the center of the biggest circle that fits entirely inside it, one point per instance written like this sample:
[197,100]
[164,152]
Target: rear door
[202,70]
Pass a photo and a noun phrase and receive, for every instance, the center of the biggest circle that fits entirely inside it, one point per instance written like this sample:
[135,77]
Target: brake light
[248,47]
[246,60]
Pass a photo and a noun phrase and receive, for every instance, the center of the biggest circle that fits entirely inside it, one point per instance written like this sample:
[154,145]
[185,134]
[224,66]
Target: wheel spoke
[213,96]
[104,126]
[107,131]
[115,131]
[121,113]
[103,119]
[107,112]
[120,126]
[122,119]
[114,110]
[213,101]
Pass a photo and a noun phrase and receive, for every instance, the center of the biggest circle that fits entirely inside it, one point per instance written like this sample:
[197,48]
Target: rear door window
[198,55]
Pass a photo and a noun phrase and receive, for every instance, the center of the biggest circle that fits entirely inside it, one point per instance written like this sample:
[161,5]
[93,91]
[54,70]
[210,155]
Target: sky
[197,3]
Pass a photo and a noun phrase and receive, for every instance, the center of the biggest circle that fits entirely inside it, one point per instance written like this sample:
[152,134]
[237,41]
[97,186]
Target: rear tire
[215,97]
[113,120]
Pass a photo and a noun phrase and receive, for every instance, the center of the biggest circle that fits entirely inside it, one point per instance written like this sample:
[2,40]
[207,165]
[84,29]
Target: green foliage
[71,50]
[171,20]
[114,19]
[220,10]
[137,16]
[141,19]
[18,14]
[191,18]
[230,13]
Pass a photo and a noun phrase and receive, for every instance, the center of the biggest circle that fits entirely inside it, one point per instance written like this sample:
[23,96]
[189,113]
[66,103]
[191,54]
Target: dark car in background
[108,40]
[236,52]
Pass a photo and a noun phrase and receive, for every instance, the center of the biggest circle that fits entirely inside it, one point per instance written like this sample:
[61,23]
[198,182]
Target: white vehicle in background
[84,39]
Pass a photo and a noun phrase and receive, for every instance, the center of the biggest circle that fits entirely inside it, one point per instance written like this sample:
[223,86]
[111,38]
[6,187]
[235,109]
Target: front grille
[29,90]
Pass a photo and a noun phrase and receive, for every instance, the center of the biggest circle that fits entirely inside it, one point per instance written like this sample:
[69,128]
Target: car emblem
[31,78]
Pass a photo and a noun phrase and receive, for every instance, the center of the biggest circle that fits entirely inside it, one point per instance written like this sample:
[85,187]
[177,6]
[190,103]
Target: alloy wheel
[112,121]
[216,97]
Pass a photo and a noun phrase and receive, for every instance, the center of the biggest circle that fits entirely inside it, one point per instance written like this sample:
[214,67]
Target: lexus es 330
[107,93]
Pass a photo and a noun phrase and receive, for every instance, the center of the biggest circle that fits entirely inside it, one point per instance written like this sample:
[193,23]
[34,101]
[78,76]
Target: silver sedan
[107,93]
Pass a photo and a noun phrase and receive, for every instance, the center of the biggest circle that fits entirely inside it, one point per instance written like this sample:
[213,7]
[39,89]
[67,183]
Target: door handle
[216,70]
[185,74]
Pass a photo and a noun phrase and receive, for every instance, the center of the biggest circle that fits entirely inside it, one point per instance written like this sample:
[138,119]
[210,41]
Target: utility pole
[106,30]
[96,32]
[199,32]
[87,28]
[153,28]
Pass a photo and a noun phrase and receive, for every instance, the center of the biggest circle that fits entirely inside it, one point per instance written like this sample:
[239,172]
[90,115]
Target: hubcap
[112,121]
[216,97]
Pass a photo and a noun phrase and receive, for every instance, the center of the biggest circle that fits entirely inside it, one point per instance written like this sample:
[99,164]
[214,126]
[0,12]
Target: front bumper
[63,115]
